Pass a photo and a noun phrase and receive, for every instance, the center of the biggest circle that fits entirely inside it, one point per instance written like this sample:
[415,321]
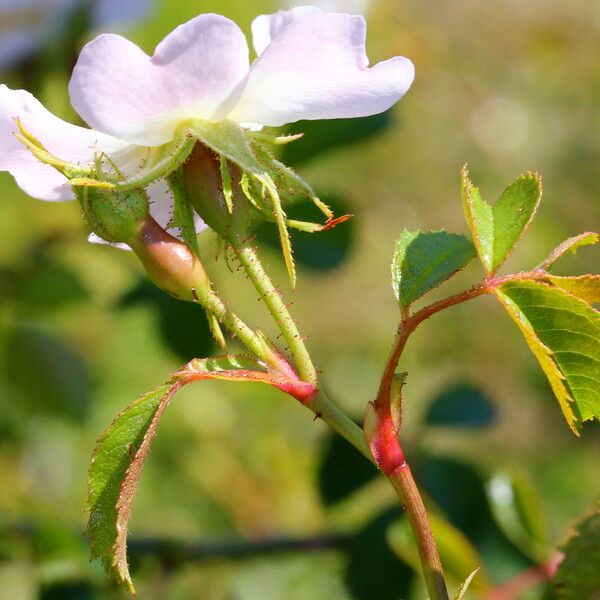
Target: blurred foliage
[505,86]
[463,405]
[578,575]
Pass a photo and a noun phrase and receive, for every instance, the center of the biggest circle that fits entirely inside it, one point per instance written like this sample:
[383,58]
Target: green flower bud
[170,263]
[115,216]
[213,187]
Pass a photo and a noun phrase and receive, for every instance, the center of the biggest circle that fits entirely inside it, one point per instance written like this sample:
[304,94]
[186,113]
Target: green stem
[339,421]
[212,303]
[320,404]
[249,260]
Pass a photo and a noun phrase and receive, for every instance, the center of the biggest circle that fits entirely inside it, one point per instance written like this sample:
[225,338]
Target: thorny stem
[320,404]
[387,448]
[211,302]
[410,322]
[249,260]
[390,456]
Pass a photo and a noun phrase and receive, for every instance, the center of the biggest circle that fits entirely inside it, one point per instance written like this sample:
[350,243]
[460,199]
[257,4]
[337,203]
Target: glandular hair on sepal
[115,216]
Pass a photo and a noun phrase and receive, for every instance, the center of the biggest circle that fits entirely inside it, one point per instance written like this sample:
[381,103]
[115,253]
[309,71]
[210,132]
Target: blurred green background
[244,497]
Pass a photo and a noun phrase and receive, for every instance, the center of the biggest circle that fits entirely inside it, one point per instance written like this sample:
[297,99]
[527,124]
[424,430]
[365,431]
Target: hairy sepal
[267,183]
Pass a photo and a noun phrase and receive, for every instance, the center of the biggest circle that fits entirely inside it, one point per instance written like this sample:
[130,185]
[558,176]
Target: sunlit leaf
[459,557]
[114,473]
[586,287]
[570,245]
[227,139]
[578,576]
[516,506]
[121,452]
[497,228]
[563,332]
[424,260]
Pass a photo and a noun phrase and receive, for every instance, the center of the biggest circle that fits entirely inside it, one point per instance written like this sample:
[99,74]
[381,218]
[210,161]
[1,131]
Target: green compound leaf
[578,576]
[122,449]
[497,229]
[563,332]
[424,260]
[571,245]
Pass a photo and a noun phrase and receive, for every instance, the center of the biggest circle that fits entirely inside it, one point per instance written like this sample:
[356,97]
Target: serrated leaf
[114,472]
[497,228]
[121,451]
[459,557]
[516,506]
[563,332]
[586,287]
[578,575]
[571,245]
[424,260]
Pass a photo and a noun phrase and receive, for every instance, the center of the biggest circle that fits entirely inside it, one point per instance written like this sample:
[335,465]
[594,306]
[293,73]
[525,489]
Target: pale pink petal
[161,208]
[267,27]
[317,68]
[197,72]
[41,181]
[73,144]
